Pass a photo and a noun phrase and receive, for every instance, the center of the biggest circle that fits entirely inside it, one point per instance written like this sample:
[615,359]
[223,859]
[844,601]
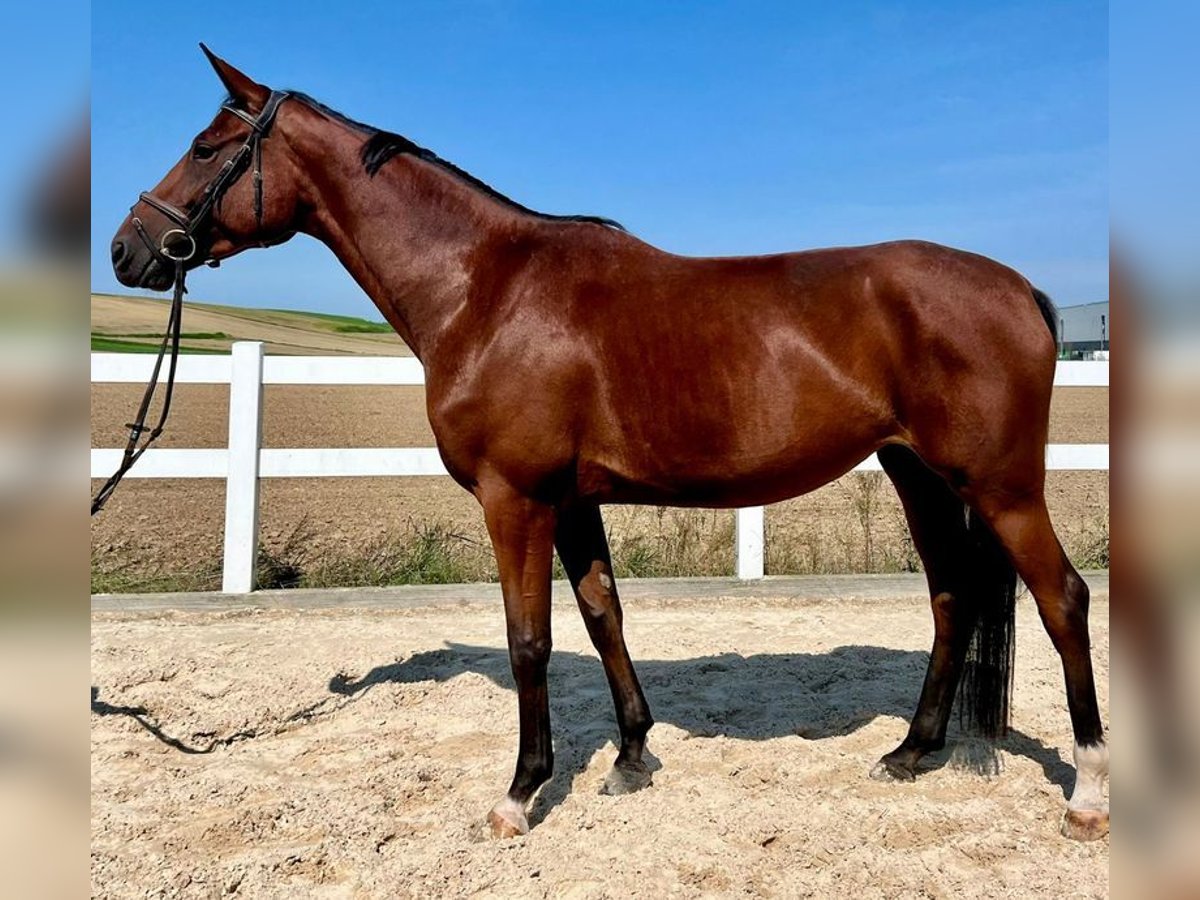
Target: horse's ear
[248,92]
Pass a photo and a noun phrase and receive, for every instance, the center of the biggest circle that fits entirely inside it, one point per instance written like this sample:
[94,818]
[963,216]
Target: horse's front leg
[583,548]
[522,533]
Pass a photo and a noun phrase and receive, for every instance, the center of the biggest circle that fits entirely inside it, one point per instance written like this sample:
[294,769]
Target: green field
[342,324]
[105,344]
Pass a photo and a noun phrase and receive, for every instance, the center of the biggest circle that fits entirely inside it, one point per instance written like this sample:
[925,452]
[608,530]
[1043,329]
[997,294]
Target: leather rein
[174,249]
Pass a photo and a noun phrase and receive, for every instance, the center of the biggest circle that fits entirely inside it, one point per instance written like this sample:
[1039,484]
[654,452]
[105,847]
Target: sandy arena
[354,751]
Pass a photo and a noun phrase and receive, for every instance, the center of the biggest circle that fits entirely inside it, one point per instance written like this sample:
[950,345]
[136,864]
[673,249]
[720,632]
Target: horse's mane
[382,146]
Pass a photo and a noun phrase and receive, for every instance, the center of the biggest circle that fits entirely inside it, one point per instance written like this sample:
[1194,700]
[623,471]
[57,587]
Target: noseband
[174,255]
[178,245]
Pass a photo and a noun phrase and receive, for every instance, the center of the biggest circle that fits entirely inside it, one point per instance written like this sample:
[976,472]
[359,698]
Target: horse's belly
[775,416]
[698,478]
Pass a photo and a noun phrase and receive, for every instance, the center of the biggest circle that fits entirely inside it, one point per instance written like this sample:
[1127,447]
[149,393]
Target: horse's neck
[409,235]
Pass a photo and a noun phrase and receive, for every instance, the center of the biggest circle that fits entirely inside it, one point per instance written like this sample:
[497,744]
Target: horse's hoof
[625,778]
[890,771]
[1085,824]
[507,820]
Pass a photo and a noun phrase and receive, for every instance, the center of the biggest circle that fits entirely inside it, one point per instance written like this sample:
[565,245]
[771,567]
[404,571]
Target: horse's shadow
[759,697]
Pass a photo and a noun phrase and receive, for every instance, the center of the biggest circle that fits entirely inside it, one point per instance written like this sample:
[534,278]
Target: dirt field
[161,528]
[354,753]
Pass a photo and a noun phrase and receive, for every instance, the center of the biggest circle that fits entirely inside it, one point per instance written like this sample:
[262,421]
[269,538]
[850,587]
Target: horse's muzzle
[135,267]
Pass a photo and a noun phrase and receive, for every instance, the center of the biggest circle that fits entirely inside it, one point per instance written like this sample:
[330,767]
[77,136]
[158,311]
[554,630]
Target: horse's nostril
[118,251]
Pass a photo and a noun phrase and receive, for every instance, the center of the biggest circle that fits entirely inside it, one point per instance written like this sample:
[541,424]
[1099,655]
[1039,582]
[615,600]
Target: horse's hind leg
[583,549]
[1022,525]
[935,517]
[522,533]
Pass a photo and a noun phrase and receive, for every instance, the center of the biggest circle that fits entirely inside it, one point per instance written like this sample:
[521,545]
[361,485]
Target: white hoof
[1087,812]
[1084,824]
[507,819]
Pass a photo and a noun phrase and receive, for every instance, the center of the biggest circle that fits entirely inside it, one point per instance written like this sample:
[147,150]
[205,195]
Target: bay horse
[570,365]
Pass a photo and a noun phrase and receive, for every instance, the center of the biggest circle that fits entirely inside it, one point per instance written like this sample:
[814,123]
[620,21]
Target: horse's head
[234,188]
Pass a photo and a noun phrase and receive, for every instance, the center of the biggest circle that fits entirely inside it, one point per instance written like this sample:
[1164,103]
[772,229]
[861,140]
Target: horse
[570,365]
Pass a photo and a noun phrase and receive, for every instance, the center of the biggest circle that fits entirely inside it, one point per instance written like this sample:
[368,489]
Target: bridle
[175,247]
[167,250]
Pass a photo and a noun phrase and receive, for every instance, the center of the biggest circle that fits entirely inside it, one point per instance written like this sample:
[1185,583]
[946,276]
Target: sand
[355,753]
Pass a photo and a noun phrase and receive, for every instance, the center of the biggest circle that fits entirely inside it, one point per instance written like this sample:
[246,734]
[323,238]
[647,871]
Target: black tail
[1047,309]
[986,687]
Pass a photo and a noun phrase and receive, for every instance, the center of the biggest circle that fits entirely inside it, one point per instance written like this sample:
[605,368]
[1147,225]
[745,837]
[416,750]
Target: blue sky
[706,128]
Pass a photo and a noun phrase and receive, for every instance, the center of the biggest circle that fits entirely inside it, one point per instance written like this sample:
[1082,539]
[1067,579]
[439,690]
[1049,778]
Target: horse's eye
[203,152]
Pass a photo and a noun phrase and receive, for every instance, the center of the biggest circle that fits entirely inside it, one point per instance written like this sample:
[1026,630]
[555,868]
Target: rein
[135,446]
[174,249]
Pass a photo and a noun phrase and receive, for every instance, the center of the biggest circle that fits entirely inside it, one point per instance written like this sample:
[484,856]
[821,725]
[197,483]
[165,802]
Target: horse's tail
[985,690]
[986,686]
[1049,312]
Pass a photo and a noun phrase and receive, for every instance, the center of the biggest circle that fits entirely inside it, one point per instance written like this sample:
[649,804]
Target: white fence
[245,461]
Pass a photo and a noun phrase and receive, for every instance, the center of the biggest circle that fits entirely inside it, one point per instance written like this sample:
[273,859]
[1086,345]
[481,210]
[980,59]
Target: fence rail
[246,461]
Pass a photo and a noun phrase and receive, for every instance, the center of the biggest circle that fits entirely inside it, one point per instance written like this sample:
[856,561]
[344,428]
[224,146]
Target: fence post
[750,542]
[241,481]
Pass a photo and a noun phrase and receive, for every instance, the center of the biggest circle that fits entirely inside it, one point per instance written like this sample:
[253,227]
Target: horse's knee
[529,651]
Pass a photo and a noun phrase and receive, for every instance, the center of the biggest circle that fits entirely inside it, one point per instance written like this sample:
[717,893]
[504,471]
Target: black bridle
[175,247]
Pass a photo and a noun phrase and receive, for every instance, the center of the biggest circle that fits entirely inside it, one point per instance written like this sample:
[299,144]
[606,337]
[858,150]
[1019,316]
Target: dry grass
[646,543]
[855,524]
[679,543]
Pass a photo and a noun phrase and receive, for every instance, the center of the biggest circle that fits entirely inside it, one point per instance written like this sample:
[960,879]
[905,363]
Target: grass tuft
[678,543]
[425,553]
[1091,547]
[119,572]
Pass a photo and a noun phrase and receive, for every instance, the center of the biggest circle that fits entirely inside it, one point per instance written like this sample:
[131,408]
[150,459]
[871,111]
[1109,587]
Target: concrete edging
[787,587]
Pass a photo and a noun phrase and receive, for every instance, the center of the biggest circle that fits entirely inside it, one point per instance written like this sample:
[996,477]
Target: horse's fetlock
[639,724]
[542,770]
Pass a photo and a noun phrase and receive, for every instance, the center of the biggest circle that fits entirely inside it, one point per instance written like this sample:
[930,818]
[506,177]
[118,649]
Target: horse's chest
[521,434]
